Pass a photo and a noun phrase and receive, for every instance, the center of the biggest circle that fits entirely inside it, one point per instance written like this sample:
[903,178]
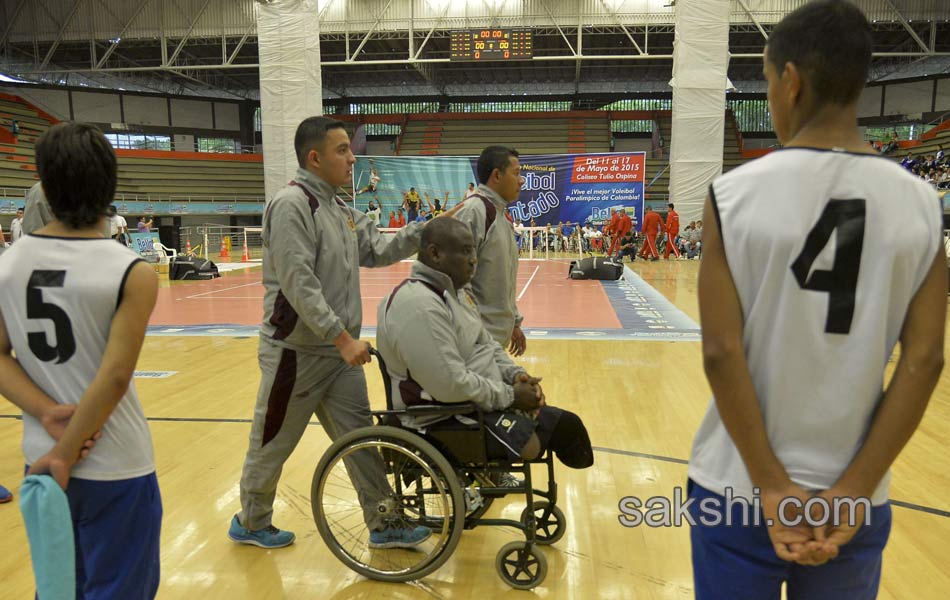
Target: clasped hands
[529,396]
[814,541]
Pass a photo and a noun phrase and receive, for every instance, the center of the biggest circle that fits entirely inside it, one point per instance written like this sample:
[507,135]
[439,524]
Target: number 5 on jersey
[36,308]
[841,282]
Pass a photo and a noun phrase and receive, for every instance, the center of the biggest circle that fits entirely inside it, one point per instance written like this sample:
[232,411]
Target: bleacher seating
[154,174]
[939,140]
[530,134]
[201,176]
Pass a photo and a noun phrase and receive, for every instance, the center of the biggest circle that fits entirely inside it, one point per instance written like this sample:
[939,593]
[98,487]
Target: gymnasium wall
[633,145]
[905,98]
[133,109]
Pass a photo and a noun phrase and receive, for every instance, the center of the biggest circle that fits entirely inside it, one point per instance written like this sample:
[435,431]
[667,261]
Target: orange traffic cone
[244,255]
[224,249]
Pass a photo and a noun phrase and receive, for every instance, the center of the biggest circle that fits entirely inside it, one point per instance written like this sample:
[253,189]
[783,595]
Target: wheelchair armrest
[442,410]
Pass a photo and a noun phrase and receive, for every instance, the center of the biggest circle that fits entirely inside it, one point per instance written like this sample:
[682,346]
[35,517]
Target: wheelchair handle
[387,382]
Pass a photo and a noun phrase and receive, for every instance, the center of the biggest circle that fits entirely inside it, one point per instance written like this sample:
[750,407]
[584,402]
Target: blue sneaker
[5,495]
[396,537]
[269,537]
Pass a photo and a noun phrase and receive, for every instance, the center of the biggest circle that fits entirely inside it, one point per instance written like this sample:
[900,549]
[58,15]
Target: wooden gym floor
[642,401]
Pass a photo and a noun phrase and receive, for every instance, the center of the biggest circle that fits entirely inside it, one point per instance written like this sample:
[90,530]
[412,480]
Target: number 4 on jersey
[841,282]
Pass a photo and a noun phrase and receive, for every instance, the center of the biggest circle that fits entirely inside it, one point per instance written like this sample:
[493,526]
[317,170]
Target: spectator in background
[15,130]
[400,219]
[893,145]
[411,202]
[393,223]
[422,217]
[628,246]
[672,231]
[118,226]
[652,226]
[16,226]
[374,213]
[144,226]
[471,191]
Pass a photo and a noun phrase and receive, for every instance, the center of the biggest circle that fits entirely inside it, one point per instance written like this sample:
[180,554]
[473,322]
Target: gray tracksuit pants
[294,386]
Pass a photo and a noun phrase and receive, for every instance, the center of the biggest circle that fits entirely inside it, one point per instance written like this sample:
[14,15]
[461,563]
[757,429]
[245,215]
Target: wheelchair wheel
[423,490]
[521,565]
[549,522]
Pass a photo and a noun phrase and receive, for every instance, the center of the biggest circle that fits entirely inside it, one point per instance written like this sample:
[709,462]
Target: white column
[700,78]
[288,34]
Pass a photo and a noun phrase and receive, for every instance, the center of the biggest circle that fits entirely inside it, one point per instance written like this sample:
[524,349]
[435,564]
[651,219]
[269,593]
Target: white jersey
[58,297]
[827,249]
[116,224]
[16,229]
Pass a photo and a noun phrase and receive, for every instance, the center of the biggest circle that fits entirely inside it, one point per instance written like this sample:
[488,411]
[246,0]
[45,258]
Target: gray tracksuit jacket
[37,212]
[314,245]
[437,349]
[496,278]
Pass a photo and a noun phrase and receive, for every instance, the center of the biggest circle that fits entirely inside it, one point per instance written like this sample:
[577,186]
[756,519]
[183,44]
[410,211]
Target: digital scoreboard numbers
[491,44]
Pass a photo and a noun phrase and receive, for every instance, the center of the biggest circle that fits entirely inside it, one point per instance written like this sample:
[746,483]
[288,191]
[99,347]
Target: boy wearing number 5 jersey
[74,308]
[819,259]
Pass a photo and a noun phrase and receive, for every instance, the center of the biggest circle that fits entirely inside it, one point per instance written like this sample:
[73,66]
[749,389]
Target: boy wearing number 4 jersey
[820,258]
[74,308]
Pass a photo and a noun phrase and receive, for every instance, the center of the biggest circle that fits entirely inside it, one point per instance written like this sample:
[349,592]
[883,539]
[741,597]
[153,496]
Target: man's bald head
[443,232]
[447,246]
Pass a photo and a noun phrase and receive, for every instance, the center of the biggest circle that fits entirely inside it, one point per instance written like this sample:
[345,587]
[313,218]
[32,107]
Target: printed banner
[143,243]
[558,188]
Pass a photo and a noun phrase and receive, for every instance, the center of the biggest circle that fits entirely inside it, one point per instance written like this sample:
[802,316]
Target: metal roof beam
[181,44]
[118,38]
[62,31]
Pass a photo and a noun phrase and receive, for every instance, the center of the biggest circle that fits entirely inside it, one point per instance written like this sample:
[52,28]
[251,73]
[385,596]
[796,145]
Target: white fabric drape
[291,90]
[700,69]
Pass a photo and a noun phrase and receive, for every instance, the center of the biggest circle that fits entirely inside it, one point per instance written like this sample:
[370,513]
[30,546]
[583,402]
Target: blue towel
[49,528]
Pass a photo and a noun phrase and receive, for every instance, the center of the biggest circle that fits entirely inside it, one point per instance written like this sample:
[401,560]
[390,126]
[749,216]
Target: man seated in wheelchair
[437,351]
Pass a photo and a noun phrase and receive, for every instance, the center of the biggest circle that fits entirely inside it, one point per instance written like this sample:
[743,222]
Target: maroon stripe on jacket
[314,203]
[411,392]
[490,212]
[284,317]
[284,380]
[435,289]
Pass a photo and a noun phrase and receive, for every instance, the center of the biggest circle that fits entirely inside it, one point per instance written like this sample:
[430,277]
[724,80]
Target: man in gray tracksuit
[310,354]
[437,350]
[486,214]
[37,212]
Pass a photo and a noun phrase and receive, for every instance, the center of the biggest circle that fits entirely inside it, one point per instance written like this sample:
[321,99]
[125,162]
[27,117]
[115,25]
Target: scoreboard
[491,44]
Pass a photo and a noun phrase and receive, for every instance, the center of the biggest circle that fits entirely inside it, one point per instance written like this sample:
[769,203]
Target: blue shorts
[116,525]
[739,563]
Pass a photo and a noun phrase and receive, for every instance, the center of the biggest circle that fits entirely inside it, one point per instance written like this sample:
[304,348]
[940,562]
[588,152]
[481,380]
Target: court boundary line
[658,457]
[233,287]
[530,279]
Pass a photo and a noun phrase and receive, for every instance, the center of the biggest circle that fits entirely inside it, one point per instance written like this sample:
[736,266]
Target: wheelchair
[442,480]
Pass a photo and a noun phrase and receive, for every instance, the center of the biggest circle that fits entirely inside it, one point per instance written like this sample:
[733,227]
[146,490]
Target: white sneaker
[473,499]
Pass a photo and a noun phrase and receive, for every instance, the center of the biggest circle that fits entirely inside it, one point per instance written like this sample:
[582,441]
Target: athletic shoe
[5,495]
[473,498]
[397,537]
[269,537]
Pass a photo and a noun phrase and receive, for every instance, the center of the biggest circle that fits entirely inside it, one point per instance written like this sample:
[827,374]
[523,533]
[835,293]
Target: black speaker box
[595,267]
[192,268]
